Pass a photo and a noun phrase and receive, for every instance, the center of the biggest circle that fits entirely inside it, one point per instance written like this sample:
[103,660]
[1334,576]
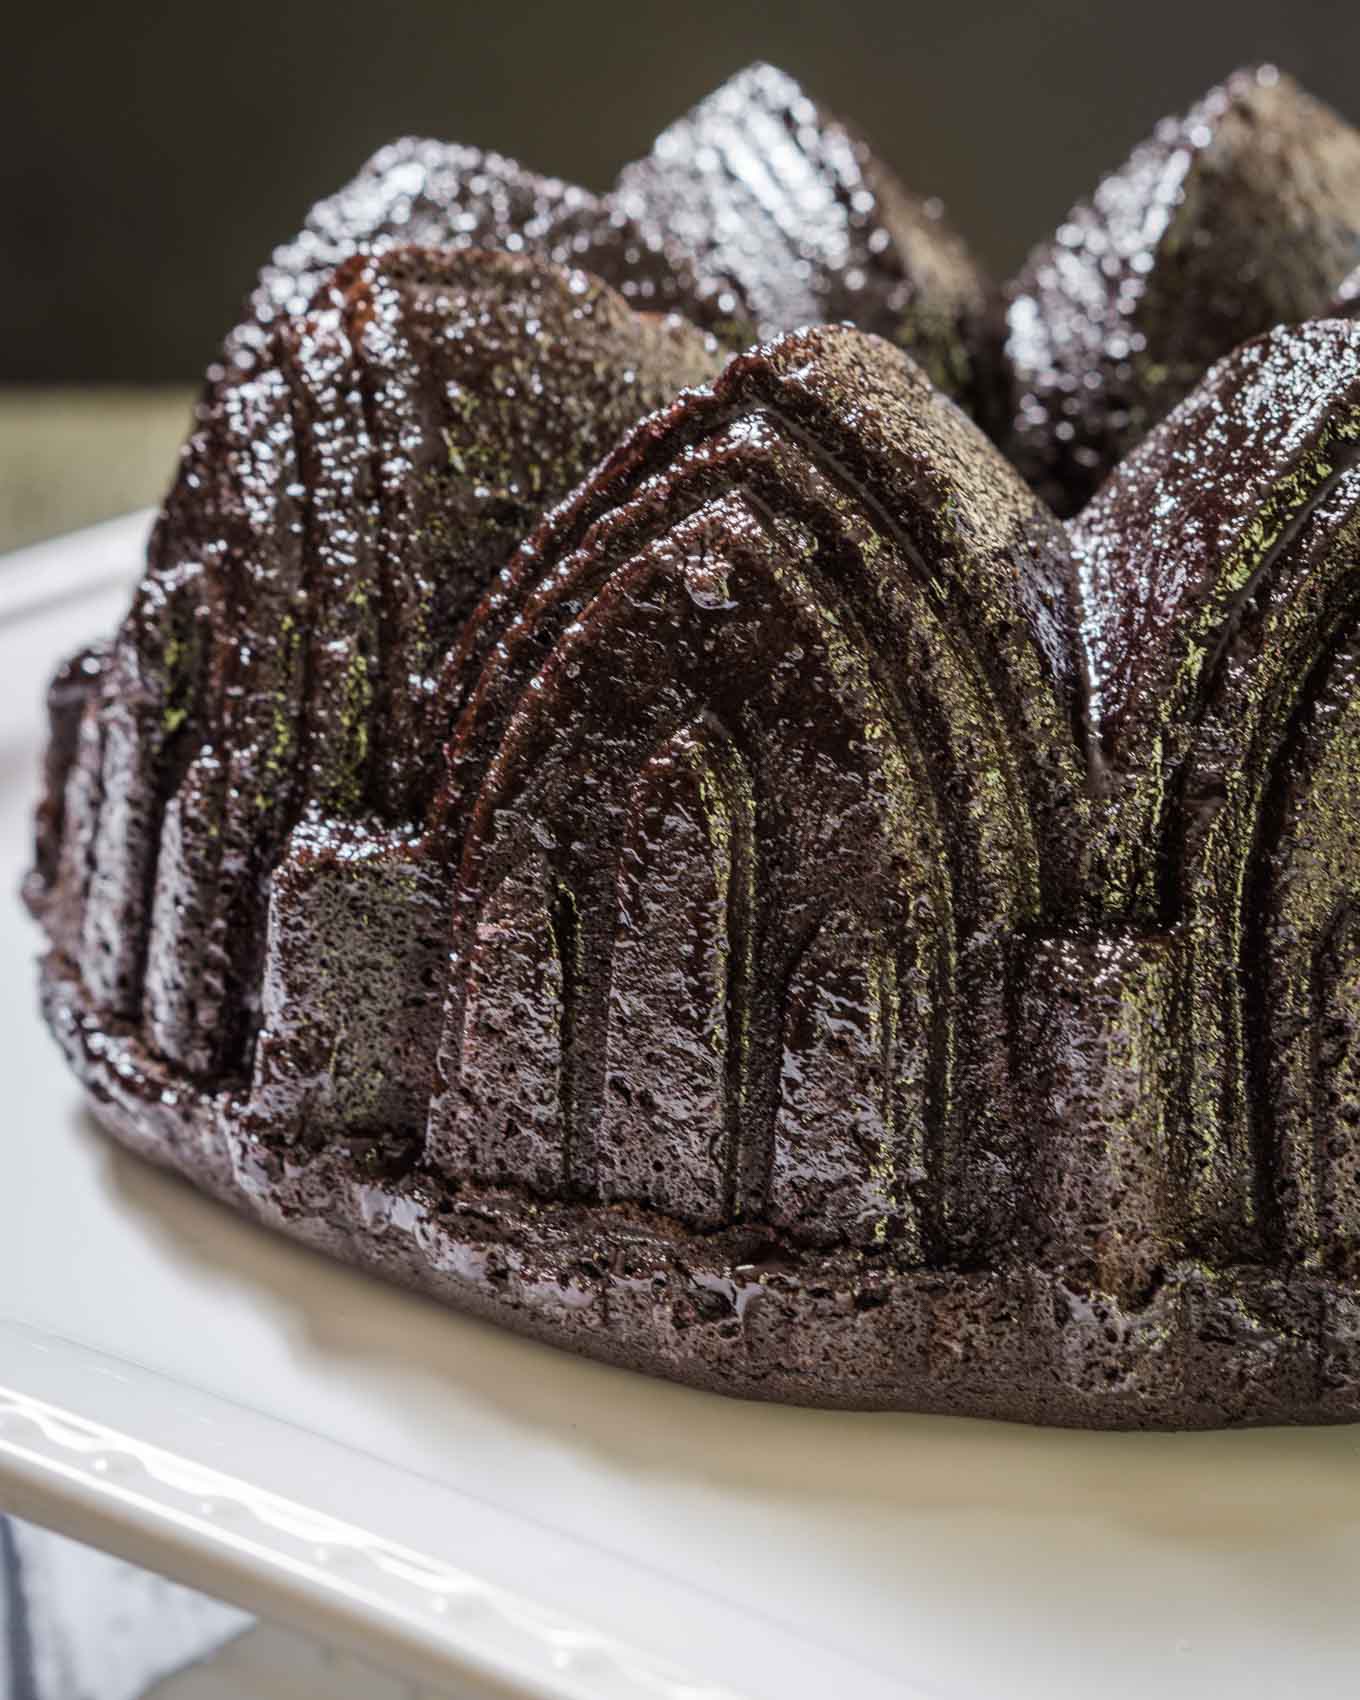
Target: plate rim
[77,563]
[418,1615]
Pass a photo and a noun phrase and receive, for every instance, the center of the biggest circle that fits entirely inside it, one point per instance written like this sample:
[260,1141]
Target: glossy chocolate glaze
[1218,566]
[1243,214]
[757,213]
[796,222]
[421,193]
[336,516]
[743,891]
[807,652]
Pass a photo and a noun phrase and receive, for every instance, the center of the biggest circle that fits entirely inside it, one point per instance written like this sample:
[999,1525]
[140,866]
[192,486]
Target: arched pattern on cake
[1220,569]
[279,717]
[733,555]
[233,504]
[336,516]
[616,764]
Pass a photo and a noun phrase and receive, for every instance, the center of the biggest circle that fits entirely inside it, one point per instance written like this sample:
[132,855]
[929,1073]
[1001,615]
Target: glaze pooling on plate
[693,861]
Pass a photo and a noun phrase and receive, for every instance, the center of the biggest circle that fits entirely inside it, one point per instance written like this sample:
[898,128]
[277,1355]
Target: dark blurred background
[154,153]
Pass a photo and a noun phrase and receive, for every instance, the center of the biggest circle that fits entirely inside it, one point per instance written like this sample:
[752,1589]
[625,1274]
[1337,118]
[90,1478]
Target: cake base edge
[738,1314]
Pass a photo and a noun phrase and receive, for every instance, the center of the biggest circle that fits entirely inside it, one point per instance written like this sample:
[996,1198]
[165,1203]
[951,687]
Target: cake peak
[1177,257]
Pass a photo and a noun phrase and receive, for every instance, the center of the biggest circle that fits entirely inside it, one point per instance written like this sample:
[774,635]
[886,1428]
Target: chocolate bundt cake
[617,804]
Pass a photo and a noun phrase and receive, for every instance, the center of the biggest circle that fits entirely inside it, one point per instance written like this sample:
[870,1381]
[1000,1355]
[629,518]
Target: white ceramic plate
[184,1389]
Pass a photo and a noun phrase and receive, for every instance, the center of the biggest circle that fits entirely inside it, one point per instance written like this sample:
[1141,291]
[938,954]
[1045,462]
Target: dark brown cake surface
[417,192]
[1243,214]
[755,214]
[795,221]
[681,852]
